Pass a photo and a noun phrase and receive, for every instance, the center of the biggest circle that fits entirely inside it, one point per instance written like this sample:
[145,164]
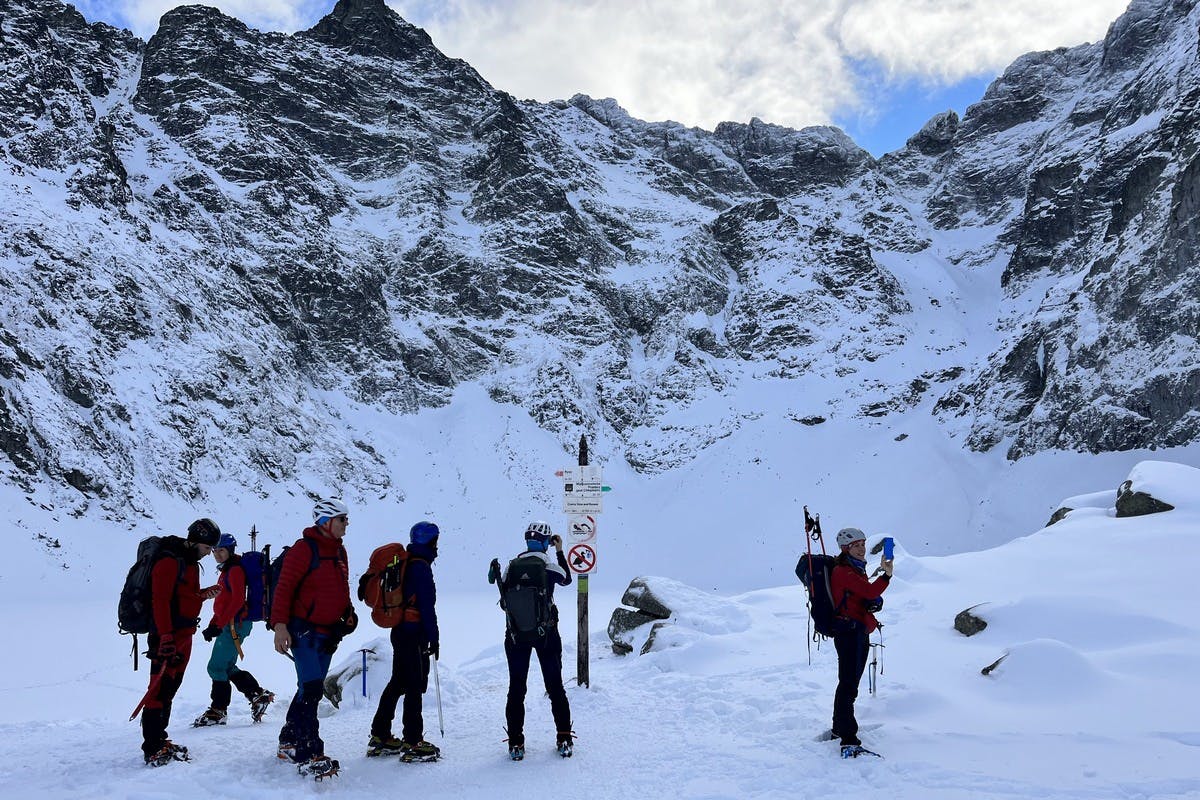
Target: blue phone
[888,544]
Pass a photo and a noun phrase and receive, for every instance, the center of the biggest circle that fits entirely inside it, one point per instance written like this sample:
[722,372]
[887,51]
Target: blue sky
[876,68]
[900,109]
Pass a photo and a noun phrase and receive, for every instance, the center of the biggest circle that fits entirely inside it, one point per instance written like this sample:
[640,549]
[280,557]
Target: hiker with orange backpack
[229,626]
[414,635]
[310,613]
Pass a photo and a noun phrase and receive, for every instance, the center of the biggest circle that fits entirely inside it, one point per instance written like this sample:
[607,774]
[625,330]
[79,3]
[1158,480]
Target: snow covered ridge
[222,249]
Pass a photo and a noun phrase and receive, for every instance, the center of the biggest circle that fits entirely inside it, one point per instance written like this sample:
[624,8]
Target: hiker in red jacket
[175,602]
[854,598]
[310,613]
[230,627]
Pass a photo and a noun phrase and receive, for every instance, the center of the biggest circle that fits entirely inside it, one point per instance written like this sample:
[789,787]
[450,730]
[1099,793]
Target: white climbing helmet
[328,508]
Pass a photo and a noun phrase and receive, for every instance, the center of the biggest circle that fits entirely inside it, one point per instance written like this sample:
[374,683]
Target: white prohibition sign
[582,528]
[582,558]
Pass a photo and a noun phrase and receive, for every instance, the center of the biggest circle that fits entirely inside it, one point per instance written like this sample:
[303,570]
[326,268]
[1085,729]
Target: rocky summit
[206,236]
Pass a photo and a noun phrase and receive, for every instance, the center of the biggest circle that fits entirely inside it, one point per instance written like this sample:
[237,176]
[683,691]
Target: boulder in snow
[379,654]
[969,624]
[1132,503]
[663,602]
[1058,515]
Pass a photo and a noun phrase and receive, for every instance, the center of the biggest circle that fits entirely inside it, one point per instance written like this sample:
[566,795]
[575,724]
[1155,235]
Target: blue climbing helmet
[423,533]
[537,536]
[228,541]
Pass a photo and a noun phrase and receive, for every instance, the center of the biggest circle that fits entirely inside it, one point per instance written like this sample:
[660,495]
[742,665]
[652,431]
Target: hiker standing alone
[527,595]
[175,604]
[855,597]
[310,613]
[229,626]
[414,642]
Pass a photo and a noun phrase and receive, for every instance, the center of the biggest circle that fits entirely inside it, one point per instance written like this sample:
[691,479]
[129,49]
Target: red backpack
[382,587]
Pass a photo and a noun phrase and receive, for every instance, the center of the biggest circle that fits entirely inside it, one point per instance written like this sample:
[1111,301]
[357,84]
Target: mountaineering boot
[566,744]
[167,753]
[286,752]
[384,746]
[319,768]
[516,752]
[258,705]
[856,750]
[213,716]
[419,751]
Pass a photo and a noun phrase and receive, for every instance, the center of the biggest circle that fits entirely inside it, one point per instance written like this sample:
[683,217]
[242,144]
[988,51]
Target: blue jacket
[418,583]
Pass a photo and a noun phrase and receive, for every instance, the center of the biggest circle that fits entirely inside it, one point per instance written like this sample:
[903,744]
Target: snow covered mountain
[222,250]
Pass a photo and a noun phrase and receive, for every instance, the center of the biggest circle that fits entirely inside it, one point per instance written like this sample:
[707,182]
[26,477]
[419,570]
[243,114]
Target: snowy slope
[1095,613]
[214,266]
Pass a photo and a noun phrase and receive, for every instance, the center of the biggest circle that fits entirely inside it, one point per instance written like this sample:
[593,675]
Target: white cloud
[945,41]
[792,62]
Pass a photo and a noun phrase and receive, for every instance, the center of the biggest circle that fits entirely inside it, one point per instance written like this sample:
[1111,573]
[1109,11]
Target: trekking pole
[437,685]
[812,533]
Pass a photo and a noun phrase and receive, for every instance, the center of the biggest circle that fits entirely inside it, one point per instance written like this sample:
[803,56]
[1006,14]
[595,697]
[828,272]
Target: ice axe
[237,642]
[153,688]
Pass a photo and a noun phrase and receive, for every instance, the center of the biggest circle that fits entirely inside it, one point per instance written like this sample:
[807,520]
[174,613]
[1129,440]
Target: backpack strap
[312,565]
[176,620]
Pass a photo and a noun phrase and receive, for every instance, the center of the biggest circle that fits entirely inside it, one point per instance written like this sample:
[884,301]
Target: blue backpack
[255,565]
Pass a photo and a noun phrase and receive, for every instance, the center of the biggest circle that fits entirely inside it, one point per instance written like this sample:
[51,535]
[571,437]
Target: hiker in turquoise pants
[230,628]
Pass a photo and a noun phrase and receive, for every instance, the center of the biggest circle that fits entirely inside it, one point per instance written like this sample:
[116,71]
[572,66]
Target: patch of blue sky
[893,109]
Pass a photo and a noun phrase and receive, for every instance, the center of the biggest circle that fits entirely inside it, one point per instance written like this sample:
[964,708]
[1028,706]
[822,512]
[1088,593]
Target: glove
[211,632]
[432,650]
[166,647]
[494,571]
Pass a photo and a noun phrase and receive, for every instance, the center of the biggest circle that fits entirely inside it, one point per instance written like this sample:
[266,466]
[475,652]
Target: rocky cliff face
[216,242]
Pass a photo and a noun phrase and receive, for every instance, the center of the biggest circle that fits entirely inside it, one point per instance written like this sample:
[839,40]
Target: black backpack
[272,576]
[134,610]
[816,572]
[525,598]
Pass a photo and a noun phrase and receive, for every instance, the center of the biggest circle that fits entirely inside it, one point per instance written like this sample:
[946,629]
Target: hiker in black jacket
[523,637]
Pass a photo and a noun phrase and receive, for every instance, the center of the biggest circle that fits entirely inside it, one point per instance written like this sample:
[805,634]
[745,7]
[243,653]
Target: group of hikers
[311,612]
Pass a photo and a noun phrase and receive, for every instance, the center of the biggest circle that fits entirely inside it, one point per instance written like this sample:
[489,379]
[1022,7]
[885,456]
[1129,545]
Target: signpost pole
[582,676]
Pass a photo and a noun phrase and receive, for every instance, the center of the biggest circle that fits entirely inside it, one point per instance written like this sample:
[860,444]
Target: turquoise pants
[222,664]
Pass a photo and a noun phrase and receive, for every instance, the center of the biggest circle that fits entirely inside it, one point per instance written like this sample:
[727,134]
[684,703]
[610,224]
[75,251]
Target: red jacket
[851,589]
[230,605]
[320,596]
[175,597]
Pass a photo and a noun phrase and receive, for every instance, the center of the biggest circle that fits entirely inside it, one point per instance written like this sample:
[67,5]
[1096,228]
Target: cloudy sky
[877,68]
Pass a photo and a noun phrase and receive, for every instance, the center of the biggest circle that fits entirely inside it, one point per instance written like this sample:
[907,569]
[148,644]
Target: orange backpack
[382,587]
